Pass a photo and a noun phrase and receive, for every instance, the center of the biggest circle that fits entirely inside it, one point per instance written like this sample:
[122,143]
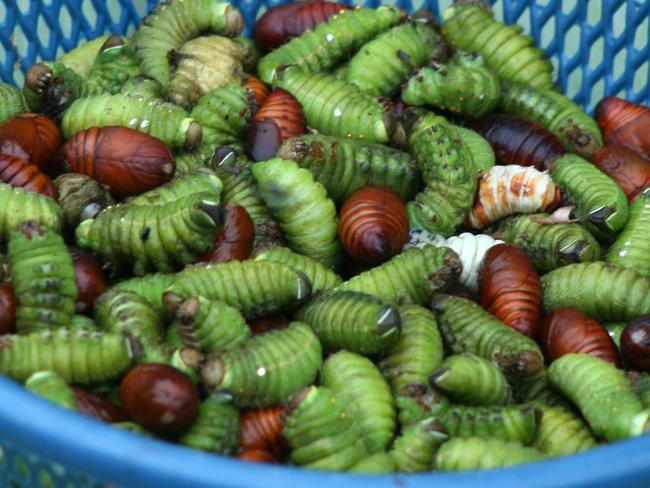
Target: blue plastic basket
[598,47]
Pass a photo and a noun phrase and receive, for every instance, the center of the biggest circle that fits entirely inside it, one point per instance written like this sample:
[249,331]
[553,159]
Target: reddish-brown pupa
[20,173]
[235,239]
[567,330]
[97,407]
[127,161]
[635,343]
[281,23]
[510,288]
[518,141]
[33,137]
[90,279]
[258,87]
[261,437]
[373,224]
[625,123]
[267,323]
[624,166]
[7,308]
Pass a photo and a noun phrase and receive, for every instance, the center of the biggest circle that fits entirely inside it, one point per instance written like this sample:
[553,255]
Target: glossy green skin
[152,238]
[382,63]
[578,131]
[51,387]
[448,170]
[471,380]
[333,107]
[464,85]
[538,390]
[414,450]
[418,351]
[513,56]
[641,386]
[615,329]
[81,322]
[549,246]
[602,393]
[320,432]
[515,423]
[268,368]
[165,121]
[142,86]
[482,153]
[469,454]
[344,165]
[602,291]
[253,287]
[224,115]
[466,327]
[418,402]
[150,287]
[216,428]
[127,313]
[321,278]
[82,57]
[212,326]
[330,42]
[80,356]
[413,276]
[12,102]
[175,22]
[17,206]
[197,158]
[365,392]
[112,69]
[378,463]
[632,246]
[301,206]
[592,192]
[44,280]
[202,180]
[65,87]
[354,321]
[561,433]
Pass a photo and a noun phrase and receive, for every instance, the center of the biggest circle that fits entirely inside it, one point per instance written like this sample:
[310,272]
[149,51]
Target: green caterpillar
[360,385]
[602,291]
[141,86]
[150,287]
[516,423]
[466,327]
[641,387]
[377,463]
[321,278]
[50,88]
[51,387]
[615,329]
[549,246]
[472,453]
[471,27]
[160,238]
[12,102]
[202,180]
[305,213]
[80,197]
[632,247]
[578,132]
[464,85]
[603,395]
[216,428]
[382,63]
[209,326]
[166,121]
[330,42]
[538,391]
[561,433]
[418,402]
[197,158]
[43,277]
[82,57]
[344,165]
[335,108]
[481,150]
[115,64]
[80,356]
[175,22]
[414,450]
[320,432]
[471,380]
[18,206]
[413,276]
[354,321]
[253,287]
[448,170]
[124,312]
[599,200]
[81,322]
[417,352]
[267,368]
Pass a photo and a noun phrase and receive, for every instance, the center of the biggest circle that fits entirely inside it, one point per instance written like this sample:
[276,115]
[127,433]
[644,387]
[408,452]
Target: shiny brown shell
[33,137]
[7,308]
[261,438]
[258,87]
[267,323]
[235,239]
[20,173]
[373,225]
[98,407]
[90,279]
[635,343]
[567,330]
[511,289]
[625,123]
[624,166]
[127,161]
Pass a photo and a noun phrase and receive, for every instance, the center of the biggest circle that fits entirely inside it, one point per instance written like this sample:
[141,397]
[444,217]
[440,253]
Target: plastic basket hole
[89,12]
[618,20]
[641,78]
[498,9]
[114,9]
[525,20]
[547,33]
[597,92]
[594,13]
[543,3]
[65,21]
[23,6]
[596,53]
[574,82]
[43,32]
[418,4]
[3,13]
[641,35]
[619,64]
[572,41]
[568,6]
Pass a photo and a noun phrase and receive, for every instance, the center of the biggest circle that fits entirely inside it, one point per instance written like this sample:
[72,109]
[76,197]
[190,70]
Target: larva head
[194,134]
[112,42]
[31,229]
[224,156]
[172,302]
[297,399]
[234,22]
[81,197]
[214,210]
[528,363]
[38,77]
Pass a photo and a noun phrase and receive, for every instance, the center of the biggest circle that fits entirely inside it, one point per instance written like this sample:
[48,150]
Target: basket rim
[108,453]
